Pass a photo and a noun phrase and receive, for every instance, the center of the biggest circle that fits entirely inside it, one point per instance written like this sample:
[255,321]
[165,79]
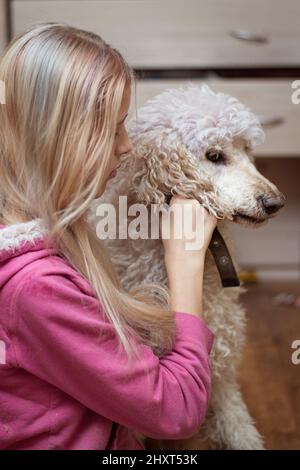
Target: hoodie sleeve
[57,339]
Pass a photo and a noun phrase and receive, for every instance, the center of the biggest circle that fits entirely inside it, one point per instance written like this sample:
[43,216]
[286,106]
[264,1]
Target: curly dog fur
[174,137]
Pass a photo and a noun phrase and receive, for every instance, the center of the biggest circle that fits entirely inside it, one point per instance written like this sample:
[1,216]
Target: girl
[77,362]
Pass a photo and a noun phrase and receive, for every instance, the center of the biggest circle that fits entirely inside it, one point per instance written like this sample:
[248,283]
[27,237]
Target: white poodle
[194,142]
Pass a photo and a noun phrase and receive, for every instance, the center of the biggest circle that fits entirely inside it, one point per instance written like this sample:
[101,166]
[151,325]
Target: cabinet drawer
[269,99]
[271,245]
[181,33]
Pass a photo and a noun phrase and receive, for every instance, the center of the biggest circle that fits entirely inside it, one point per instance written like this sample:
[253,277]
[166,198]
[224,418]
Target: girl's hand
[176,253]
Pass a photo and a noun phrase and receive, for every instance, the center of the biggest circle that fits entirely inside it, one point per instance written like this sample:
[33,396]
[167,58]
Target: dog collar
[222,257]
[223,260]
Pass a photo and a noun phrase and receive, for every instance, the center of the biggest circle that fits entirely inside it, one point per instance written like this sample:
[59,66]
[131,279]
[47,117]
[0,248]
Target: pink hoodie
[63,388]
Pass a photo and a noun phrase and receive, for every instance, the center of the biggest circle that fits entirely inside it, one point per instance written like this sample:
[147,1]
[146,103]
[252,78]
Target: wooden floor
[270,381]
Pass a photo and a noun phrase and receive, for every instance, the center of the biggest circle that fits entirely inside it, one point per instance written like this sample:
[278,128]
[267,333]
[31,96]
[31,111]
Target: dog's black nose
[272,204]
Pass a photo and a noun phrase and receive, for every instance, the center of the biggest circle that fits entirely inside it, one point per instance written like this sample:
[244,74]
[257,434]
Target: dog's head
[197,143]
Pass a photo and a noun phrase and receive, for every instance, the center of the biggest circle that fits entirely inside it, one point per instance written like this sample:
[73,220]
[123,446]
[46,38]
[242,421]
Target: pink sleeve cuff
[194,329]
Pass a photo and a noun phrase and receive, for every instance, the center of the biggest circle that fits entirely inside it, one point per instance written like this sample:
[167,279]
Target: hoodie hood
[20,244]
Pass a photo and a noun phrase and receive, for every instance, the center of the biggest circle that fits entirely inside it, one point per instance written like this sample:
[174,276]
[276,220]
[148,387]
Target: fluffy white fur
[12,237]
[171,138]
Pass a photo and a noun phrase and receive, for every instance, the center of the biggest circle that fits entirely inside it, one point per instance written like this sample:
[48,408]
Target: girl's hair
[63,92]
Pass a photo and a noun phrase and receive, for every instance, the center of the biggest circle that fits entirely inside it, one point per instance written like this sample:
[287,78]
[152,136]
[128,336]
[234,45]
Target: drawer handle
[271,121]
[244,35]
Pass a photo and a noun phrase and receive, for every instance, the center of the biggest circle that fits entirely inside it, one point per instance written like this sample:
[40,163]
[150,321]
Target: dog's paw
[248,441]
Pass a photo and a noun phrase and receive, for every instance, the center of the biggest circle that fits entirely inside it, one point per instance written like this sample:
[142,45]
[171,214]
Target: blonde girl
[77,367]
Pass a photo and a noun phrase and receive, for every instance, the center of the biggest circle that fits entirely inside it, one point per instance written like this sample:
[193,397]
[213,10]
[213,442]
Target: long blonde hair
[63,91]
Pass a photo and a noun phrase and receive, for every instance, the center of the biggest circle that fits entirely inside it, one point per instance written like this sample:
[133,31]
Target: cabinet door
[271,100]
[181,33]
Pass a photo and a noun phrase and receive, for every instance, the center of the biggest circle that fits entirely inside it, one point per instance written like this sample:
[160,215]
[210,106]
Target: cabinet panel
[177,33]
[269,99]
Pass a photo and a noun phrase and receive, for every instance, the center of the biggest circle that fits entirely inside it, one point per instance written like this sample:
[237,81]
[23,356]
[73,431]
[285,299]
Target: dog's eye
[215,156]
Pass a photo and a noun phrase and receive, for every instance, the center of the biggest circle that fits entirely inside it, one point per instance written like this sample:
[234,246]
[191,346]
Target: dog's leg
[229,424]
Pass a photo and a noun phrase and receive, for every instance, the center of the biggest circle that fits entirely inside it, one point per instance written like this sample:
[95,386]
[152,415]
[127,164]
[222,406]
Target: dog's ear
[158,173]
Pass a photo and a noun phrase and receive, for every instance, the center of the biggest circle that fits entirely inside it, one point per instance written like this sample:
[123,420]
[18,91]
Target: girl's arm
[57,329]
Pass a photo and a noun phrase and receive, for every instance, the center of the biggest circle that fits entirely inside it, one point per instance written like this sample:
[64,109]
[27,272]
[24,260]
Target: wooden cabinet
[269,99]
[181,33]
[274,249]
